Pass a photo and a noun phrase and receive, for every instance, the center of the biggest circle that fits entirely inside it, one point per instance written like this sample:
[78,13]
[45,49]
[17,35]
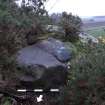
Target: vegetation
[16,24]
[69,24]
[96,31]
[19,25]
[72,26]
[86,79]
[87,76]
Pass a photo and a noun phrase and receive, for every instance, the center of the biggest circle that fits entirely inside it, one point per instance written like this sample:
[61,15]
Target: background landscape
[94,25]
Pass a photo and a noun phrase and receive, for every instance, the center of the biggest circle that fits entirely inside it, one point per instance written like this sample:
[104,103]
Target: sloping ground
[96,31]
[93,24]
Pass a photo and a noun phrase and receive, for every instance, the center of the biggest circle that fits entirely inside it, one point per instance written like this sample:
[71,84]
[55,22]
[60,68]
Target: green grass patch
[96,32]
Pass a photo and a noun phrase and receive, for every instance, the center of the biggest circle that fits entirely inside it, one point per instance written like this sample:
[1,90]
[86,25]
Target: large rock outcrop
[43,65]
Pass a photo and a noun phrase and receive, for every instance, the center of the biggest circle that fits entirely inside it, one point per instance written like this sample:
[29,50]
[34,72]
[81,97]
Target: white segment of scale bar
[21,90]
[54,90]
[38,90]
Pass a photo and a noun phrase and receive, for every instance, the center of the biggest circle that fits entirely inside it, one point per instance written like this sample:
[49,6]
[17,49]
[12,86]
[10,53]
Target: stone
[56,48]
[86,38]
[43,65]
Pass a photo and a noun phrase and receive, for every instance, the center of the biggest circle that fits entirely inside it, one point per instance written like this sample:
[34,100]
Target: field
[96,29]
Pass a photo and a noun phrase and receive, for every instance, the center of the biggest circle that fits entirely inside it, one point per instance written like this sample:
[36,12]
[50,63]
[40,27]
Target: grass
[96,31]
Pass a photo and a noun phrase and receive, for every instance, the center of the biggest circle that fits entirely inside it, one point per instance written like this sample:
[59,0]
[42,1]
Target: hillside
[95,21]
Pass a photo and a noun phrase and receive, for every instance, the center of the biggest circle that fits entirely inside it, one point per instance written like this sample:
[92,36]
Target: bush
[87,77]
[15,24]
[72,26]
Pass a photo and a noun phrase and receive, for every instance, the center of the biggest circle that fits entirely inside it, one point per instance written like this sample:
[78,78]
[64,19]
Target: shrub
[87,77]
[72,26]
[15,23]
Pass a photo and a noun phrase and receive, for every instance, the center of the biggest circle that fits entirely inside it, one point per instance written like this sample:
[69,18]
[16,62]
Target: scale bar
[37,90]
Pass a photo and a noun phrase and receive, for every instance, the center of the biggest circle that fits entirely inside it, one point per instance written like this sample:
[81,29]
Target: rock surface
[86,38]
[43,65]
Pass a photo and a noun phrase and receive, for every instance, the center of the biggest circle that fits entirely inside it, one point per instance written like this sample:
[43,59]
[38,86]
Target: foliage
[6,101]
[87,75]
[96,31]
[102,39]
[72,49]
[34,5]
[15,23]
[72,26]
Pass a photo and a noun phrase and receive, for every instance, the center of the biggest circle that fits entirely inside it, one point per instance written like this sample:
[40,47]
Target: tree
[35,5]
[15,23]
[72,26]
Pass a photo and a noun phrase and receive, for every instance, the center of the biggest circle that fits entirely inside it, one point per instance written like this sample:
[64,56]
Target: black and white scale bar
[37,90]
